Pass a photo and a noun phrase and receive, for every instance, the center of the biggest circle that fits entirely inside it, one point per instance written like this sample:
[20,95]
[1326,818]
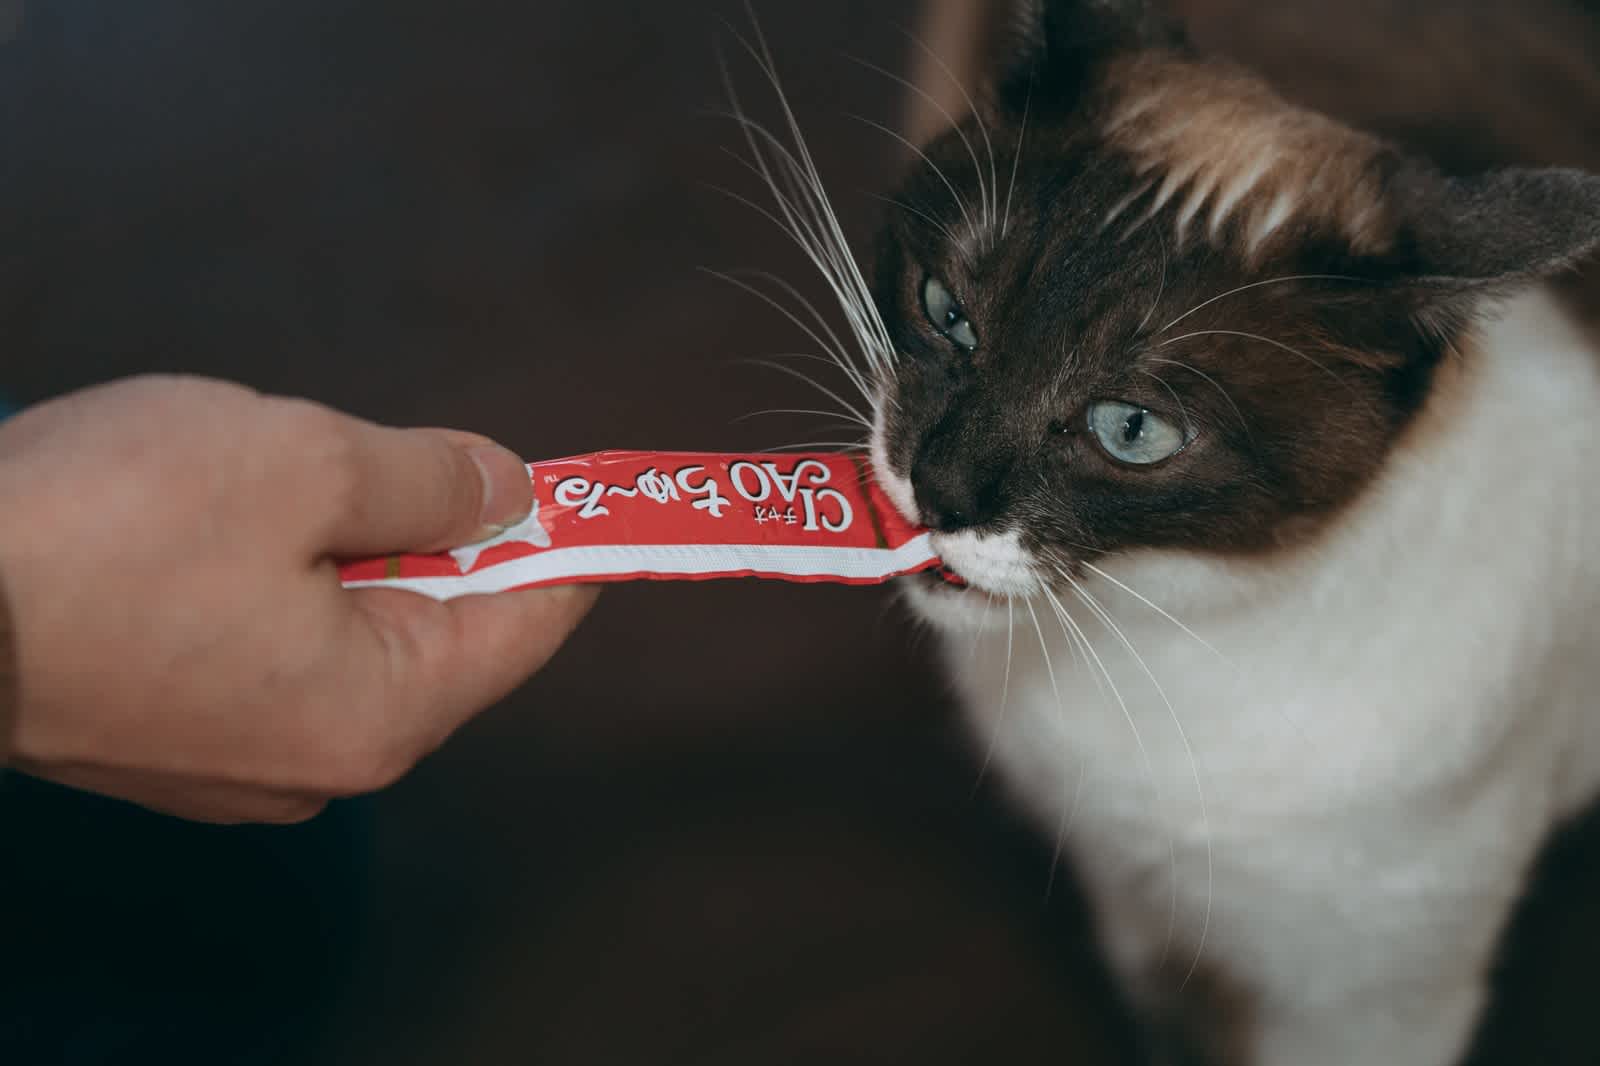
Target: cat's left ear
[1049,47]
[1491,230]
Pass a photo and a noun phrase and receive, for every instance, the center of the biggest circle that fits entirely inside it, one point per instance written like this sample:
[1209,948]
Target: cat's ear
[1502,227]
[1050,46]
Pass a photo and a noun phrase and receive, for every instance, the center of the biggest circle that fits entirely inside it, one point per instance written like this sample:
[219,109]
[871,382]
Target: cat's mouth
[994,563]
[943,580]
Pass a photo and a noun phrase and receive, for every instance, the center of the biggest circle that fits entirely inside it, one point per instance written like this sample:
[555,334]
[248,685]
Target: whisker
[808,356]
[977,633]
[1209,380]
[803,238]
[806,233]
[960,203]
[954,125]
[799,411]
[849,368]
[857,284]
[1188,422]
[1160,611]
[1259,284]
[1158,794]
[802,232]
[1016,160]
[799,297]
[1160,292]
[804,220]
[940,226]
[813,382]
[1005,691]
[1069,366]
[1264,340]
[818,446]
[1044,650]
[1194,766]
[983,127]
[1294,724]
[805,229]
[1075,641]
[972,659]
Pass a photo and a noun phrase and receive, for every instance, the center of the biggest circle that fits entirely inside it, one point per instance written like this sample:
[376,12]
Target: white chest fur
[1338,779]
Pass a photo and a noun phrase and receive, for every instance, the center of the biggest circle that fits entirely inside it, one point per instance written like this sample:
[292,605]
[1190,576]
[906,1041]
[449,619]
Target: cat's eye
[1131,434]
[946,315]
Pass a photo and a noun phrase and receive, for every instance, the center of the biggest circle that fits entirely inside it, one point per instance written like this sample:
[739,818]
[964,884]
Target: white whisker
[801,411]
[1209,380]
[818,446]
[966,141]
[1160,292]
[840,360]
[838,347]
[940,226]
[877,332]
[1188,422]
[803,231]
[1164,614]
[813,382]
[1005,688]
[810,223]
[1016,160]
[1158,794]
[983,128]
[1075,641]
[1294,724]
[803,218]
[1044,650]
[1256,285]
[1194,765]
[1325,368]
[956,195]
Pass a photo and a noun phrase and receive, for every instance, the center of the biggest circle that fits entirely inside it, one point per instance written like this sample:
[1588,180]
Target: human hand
[168,547]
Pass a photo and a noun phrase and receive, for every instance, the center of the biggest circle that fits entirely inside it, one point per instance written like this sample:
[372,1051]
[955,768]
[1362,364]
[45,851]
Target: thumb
[426,490]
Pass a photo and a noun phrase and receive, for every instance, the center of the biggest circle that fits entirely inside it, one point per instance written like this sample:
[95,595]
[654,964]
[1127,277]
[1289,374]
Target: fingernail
[507,492]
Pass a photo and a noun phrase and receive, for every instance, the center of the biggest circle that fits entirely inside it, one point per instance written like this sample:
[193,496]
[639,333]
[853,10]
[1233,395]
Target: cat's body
[1268,458]
[1385,727]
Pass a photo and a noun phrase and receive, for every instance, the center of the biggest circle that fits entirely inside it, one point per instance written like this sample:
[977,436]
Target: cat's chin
[950,607]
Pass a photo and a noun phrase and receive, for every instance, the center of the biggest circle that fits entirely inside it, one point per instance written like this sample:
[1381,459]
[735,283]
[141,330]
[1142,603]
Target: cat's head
[1175,314]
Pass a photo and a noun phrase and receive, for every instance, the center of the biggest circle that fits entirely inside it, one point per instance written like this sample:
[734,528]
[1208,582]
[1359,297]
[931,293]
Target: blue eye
[1134,435]
[946,315]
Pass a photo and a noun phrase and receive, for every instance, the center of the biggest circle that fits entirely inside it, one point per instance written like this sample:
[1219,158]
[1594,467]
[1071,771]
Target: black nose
[953,494]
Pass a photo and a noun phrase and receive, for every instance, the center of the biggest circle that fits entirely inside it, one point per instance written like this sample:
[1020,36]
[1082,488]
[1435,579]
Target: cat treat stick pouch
[622,516]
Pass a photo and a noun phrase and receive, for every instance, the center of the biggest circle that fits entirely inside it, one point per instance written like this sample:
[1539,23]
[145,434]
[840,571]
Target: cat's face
[1195,320]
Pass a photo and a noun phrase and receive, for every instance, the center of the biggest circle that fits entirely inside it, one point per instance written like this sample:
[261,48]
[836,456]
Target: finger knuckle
[328,445]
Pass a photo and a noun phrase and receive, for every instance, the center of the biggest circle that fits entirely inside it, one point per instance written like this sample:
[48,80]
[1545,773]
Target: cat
[1261,454]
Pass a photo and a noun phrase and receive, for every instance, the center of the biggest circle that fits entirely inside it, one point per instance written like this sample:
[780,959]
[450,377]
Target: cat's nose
[955,497]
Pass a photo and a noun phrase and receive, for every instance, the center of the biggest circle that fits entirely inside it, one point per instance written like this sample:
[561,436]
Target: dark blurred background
[731,823]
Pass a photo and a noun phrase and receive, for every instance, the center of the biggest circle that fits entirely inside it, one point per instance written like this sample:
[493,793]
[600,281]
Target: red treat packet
[678,516]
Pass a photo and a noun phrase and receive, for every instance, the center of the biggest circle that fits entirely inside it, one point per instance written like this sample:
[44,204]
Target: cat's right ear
[1049,49]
